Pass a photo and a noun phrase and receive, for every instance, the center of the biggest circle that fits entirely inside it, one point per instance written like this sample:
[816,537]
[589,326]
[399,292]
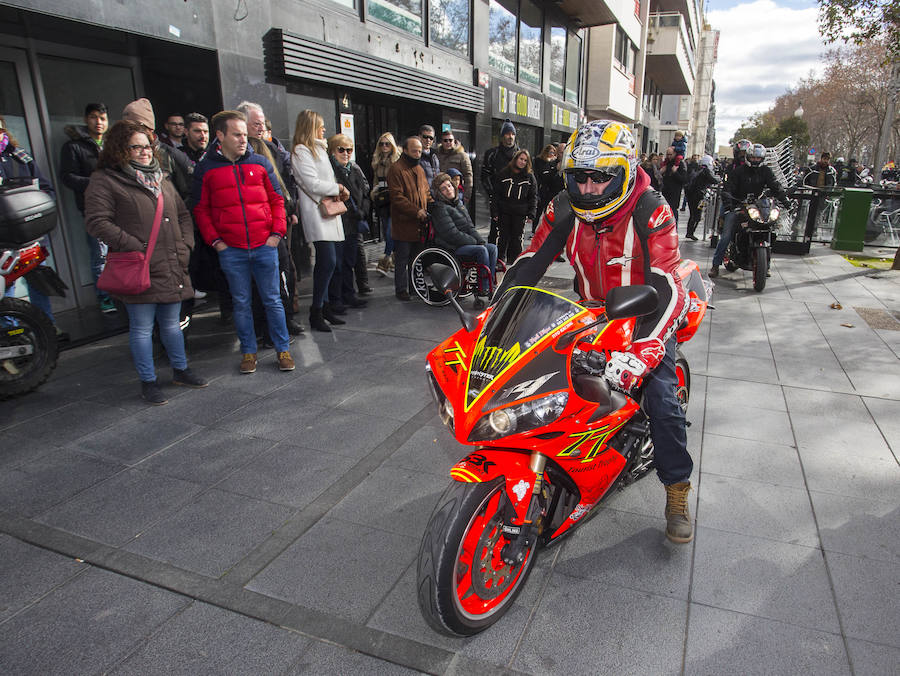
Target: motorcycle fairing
[698,298]
[522,318]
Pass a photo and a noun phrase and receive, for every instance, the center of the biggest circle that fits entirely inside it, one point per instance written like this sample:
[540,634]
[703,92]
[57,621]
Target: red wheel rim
[681,390]
[482,580]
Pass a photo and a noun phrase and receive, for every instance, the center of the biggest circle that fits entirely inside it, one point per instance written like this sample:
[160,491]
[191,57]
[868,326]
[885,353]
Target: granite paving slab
[761,577]
[203,639]
[723,642]
[867,591]
[211,534]
[85,626]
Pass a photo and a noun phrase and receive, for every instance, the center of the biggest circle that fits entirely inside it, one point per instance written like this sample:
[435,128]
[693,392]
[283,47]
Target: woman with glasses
[315,178]
[514,203]
[120,206]
[349,175]
[386,153]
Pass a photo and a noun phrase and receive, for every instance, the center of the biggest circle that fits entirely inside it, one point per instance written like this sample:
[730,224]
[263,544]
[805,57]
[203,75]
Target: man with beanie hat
[171,159]
[494,160]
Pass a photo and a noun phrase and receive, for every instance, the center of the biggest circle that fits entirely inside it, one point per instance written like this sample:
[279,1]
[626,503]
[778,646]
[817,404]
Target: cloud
[765,48]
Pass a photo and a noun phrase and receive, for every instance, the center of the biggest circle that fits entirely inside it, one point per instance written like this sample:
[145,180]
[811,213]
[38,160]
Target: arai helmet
[602,149]
[757,154]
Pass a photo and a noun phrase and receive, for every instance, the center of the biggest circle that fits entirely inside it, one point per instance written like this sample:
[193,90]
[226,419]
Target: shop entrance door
[19,107]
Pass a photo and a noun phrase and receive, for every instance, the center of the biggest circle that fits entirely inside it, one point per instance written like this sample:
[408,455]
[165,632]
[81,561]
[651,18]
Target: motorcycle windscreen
[519,320]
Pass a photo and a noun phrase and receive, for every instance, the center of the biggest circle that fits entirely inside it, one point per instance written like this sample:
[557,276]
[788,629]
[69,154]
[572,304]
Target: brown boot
[678,520]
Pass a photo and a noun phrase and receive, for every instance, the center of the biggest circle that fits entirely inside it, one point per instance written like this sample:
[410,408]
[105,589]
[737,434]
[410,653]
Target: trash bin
[850,230]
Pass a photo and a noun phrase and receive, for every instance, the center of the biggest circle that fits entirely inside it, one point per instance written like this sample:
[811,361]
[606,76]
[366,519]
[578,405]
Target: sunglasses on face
[386,144]
[597,176]
[447,139]
[427,138]
[344,150]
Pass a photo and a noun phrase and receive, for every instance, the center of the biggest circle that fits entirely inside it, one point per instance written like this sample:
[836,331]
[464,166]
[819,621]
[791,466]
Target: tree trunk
[896,265]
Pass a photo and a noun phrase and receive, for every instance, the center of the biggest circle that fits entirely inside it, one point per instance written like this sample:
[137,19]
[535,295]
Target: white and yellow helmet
[602,146]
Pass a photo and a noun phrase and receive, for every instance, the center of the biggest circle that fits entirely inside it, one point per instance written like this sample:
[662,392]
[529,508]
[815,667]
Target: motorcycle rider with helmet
[617,231]
[748,179]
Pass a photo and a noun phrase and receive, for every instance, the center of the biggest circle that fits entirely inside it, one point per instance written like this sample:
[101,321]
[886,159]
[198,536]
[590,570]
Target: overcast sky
[765,47]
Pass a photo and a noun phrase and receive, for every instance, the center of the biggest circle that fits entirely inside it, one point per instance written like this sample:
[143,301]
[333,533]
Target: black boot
[330,316]
[317,321]
[152,394]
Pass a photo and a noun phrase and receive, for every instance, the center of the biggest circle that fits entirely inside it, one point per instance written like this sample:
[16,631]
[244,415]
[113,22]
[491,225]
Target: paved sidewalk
[269,524]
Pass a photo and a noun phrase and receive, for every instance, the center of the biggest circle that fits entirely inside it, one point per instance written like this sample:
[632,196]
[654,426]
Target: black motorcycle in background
[751,248]
[28,347]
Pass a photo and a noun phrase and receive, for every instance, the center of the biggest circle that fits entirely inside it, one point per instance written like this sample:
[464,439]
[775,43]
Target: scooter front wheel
[463,583]
[28,348]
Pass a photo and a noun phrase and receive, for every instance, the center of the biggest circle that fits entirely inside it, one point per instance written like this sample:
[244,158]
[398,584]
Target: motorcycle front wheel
[28,347]
[760,267]
[463,583]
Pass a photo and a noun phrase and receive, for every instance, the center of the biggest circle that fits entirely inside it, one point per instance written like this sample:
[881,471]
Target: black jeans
[404,252]
[509,245]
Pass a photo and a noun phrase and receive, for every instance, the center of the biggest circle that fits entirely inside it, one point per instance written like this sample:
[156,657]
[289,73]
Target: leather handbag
[331,206]
[127,273]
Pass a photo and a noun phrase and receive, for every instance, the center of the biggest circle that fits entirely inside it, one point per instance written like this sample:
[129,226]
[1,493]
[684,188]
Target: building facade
[368,66]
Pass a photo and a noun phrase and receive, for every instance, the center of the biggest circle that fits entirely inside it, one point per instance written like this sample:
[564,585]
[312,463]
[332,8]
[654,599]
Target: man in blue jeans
[239,211]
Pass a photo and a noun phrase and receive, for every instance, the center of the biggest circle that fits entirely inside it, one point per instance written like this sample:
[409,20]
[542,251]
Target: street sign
[812,151]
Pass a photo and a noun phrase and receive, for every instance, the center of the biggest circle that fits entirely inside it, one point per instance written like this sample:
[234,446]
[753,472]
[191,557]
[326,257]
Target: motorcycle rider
[618,231]
[748,179]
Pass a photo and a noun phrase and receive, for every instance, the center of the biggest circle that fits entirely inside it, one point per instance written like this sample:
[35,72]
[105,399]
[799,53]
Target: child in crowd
[456,179]
[680,145]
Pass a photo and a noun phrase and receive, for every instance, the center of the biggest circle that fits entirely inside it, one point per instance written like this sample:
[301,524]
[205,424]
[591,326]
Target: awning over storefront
[290,56]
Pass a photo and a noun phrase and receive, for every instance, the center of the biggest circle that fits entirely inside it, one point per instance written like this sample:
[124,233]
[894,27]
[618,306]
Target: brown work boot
[678,520]
[248,363]
[285,361]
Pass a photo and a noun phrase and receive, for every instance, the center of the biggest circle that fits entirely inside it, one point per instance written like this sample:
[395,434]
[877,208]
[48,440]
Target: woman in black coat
[454,230]
[694,193]
[349,175]
[515,201]
[546,168]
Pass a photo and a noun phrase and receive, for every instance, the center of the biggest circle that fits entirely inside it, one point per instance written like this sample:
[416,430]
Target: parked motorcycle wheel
[26,330]
[760,267]
[683,388]
[464,586]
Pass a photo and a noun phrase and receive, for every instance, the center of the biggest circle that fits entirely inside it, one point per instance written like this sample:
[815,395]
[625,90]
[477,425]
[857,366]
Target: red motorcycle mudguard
[486,464]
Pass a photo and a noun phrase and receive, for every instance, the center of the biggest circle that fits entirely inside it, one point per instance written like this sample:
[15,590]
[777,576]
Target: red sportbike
[523,383]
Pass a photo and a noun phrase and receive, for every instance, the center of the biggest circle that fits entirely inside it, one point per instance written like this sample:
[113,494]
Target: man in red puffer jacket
[239,211]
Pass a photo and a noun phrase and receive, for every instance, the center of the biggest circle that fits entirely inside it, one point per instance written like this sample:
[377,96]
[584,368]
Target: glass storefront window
[346,3]
[531,21]
[403,14]
[450,24]
[502,36]
[573,68]
[557,61]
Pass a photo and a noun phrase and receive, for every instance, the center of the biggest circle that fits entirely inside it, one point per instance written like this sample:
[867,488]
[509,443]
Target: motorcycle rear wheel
[760,267]
[683,388]
[463,584]
[23,325]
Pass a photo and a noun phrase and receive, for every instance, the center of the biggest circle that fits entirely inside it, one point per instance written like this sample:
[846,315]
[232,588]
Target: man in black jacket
[674,176]
[748,179]
[493,161]
[78,159]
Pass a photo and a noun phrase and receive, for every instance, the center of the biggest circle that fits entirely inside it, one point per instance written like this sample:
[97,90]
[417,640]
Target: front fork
[524,536]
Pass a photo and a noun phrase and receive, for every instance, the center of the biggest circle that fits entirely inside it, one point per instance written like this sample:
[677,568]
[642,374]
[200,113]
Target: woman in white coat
[315,177]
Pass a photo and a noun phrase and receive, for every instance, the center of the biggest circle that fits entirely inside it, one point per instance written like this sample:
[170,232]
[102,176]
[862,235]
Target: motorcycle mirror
[447,281]
[567,339]
[631,301]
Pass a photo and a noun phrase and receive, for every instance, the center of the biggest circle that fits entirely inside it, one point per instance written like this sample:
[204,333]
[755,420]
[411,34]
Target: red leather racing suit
[636,245]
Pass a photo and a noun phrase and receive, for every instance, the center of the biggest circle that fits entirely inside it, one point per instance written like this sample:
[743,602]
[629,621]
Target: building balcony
[670,60]
[610,90]
[587,12]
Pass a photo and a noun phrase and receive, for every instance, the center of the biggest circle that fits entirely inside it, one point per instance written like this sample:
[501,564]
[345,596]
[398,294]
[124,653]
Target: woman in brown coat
[120,205]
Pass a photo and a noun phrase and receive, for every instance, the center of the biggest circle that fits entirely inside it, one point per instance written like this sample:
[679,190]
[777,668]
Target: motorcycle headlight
[773,214]
[445,408]
[753,213]
[519,418]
